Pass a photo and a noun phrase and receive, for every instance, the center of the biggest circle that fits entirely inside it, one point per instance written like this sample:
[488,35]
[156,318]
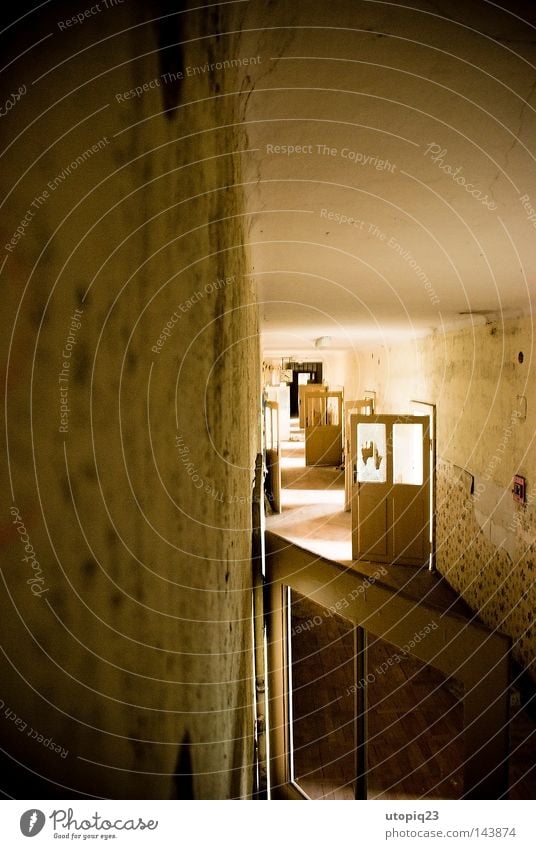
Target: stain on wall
[131,352]
[497,584]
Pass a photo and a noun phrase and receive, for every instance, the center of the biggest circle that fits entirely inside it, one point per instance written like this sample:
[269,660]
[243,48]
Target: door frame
[432,413]
[460,647]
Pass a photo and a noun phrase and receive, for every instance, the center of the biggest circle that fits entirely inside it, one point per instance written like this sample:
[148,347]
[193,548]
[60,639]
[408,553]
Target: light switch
[519,489]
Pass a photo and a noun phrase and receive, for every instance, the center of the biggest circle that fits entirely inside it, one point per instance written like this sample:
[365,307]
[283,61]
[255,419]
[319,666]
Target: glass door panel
[371,453]
[408,454]
[271,426]
[316,408]
[332,411]
[268,428]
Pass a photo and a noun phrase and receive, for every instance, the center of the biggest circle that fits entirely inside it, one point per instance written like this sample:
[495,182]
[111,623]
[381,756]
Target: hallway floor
[415,715]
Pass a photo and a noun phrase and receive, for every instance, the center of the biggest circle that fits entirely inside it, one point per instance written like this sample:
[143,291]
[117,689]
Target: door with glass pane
[363,407]
[391,489]
[273,456]
[323,428]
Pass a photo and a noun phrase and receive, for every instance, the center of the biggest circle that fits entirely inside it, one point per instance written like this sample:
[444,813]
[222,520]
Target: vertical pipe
[360,712]
[260,774]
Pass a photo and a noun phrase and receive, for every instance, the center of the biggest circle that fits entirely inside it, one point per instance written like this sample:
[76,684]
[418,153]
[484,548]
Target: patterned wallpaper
[501,587]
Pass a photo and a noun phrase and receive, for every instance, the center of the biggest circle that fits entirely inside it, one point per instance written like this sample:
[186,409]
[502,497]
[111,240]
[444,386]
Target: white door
[391,489]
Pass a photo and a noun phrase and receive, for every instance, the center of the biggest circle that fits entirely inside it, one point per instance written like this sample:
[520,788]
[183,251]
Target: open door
[391,489]
[363,407]
[303,390]
[281,395]
[273,455]
[323,428]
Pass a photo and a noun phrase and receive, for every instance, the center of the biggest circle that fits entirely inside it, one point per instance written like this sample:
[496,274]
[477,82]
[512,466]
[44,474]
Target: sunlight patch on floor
[287,462]
[299,497]
[329,548]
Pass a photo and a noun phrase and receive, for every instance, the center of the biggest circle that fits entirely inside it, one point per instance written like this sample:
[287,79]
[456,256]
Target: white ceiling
[375,79]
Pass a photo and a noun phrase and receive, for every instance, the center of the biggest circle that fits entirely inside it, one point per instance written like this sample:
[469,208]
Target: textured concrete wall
[486,420]
[131,352]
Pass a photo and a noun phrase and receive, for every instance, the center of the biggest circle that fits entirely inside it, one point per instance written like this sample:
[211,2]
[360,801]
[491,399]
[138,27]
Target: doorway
[312,501]
[302,373]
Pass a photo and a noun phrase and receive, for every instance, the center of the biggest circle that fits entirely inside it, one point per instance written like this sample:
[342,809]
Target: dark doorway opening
[314,372]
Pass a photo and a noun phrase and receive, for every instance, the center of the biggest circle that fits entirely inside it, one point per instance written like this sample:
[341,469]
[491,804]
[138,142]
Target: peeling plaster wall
[486,420]
[133,653]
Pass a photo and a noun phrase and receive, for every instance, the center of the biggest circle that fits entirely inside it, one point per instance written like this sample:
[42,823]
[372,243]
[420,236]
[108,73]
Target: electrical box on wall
[519,489]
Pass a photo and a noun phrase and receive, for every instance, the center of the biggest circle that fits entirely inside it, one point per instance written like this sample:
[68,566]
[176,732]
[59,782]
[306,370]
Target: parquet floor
[414,717]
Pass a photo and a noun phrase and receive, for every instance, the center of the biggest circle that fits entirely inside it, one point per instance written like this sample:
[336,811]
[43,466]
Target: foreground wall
[482,381]
[130,348]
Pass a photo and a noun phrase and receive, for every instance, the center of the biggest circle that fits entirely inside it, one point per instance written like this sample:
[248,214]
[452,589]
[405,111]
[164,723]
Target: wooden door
[323,428]
[391,489]
[273,455]
[303,391]
[281,395]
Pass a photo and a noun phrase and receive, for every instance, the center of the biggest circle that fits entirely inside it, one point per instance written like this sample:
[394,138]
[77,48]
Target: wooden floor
[323,721]
[414,714]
